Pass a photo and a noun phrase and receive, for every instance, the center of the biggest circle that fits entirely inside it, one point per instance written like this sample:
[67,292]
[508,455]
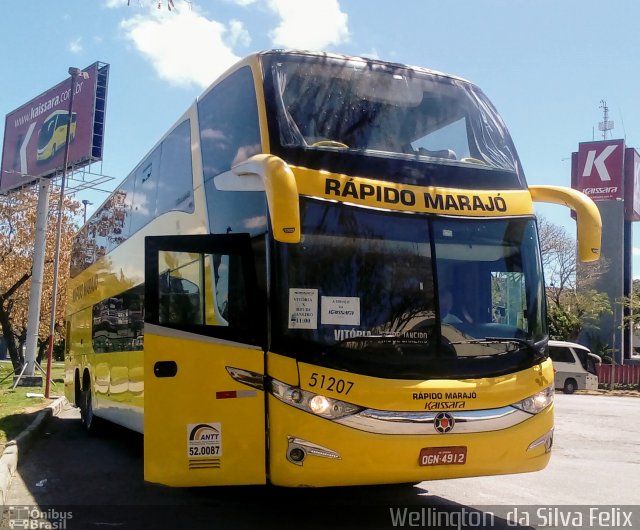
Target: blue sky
[546,65]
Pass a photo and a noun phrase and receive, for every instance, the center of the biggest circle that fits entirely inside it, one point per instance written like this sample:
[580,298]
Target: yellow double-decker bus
[326,273]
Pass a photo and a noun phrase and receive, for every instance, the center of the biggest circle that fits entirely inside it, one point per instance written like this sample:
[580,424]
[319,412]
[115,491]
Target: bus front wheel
[570,386]
[89,421]
[77,390]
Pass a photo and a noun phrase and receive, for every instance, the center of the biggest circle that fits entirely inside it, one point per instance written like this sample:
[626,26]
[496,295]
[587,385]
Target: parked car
[574,366]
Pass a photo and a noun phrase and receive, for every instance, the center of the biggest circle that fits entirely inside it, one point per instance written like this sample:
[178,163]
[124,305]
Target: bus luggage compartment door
[204,405]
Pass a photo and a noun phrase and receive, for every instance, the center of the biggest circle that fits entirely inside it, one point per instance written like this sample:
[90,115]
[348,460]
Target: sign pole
[30,154]
[35,294]
[74,73]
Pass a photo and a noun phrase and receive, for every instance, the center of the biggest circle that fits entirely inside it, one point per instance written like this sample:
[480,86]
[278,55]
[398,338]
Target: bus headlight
[536,403]
[319,405]
[314,403]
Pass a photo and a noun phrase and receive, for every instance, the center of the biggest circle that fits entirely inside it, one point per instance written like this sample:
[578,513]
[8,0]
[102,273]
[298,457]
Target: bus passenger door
[204,404]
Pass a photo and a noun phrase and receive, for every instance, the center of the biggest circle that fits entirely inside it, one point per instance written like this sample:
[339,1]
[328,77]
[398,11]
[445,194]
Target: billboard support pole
[37,274]
[74,73]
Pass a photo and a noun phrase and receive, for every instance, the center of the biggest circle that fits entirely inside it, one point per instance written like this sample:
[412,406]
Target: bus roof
[344,57]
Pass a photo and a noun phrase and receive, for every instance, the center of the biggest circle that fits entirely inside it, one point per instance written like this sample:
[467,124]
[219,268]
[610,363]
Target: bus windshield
[391,294]
[363,106]
[587,360]
[46,133]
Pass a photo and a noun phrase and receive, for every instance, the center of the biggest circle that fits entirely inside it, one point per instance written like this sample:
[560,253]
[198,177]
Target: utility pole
[35,293]
[74,73]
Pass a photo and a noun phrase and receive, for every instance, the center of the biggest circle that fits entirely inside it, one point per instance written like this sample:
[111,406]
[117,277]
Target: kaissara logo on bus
[445,405]
[444,400]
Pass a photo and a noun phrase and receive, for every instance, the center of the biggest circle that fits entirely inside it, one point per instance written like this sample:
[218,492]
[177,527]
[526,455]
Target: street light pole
[85,202]
[74,73]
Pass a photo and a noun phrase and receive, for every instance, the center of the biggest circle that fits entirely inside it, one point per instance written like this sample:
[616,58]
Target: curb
[22,444]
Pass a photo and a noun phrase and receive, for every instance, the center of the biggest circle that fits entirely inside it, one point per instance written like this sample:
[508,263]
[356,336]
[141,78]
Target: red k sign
[600,169]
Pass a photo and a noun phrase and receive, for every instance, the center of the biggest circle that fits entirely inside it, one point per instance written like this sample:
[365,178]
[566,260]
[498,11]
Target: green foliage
[18,410]
[632,303]
[573,311]
[573,303]
[563,325]
[17,228]
[599,347]
[591,305]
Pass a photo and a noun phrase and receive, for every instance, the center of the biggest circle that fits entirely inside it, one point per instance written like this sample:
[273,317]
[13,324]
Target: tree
[573,301]
[632,303]
[17,230]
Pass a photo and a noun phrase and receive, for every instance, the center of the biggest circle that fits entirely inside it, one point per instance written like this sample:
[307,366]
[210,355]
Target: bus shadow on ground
[385,506]
[99,480]
[13,424]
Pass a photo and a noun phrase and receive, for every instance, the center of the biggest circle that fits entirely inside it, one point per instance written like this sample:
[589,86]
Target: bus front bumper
[307,450]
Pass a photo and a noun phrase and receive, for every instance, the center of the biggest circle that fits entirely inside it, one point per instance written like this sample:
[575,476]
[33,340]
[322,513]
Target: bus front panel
[427,430]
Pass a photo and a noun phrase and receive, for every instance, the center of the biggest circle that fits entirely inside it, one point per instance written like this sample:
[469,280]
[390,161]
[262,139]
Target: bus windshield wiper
[381,338]
[505,340]
[499,340]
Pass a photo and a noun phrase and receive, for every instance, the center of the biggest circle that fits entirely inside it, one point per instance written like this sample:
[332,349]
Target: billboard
[35,135]
[632,184]
[599,170]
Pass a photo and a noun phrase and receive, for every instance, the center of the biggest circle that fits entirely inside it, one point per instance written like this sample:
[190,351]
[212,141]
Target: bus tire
[87,416]
[77,390]
[570,386]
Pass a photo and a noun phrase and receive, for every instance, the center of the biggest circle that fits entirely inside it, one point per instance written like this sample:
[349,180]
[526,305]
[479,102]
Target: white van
[574,366]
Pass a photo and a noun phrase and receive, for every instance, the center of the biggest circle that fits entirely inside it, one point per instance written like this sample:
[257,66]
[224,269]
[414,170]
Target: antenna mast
[605,125]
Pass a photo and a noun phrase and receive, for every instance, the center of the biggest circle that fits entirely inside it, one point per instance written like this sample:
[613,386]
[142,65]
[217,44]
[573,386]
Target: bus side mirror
[279,184]
[587,216]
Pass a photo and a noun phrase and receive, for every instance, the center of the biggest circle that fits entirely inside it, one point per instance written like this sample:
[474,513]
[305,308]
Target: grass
[17,410]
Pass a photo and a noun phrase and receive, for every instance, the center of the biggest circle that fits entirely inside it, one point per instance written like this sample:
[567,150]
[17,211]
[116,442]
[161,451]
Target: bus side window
[145,191]
[175,174]
[561,355]
[216,289]
[229,124]
[228,306]
[180,288]
[118,321]
[202,289]
[222,285]
[229,129]
[508,298]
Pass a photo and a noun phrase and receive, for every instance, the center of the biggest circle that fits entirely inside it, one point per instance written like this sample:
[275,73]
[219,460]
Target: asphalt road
[99,482]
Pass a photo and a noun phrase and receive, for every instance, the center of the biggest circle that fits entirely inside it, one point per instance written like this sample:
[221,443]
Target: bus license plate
[440,456]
